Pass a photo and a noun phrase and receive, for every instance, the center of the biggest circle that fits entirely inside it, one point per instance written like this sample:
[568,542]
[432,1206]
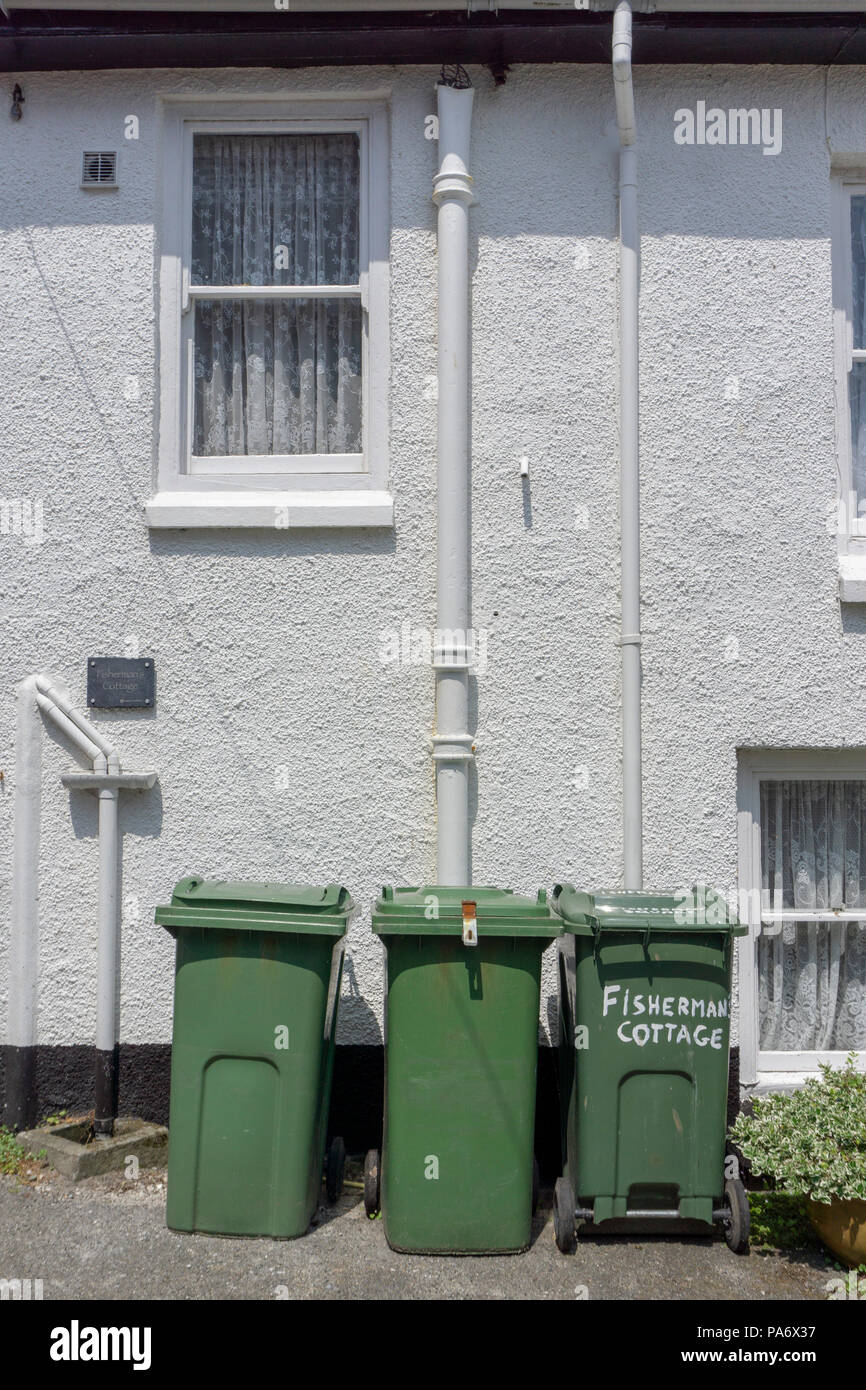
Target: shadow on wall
[553,1018]
[355,1018]
[140,815]
[140,812]
[854,619]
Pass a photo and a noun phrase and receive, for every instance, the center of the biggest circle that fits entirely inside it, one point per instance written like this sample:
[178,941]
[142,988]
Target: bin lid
[235,904]
[696,909]
[437,910]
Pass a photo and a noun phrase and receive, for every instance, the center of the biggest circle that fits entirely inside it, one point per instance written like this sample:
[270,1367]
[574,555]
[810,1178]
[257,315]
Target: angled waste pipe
[629,461]
[453,747]
[106,778]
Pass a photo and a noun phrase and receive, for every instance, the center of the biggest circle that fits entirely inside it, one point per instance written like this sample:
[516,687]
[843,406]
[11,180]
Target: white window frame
[850,528]
[757,1067]
[282,491]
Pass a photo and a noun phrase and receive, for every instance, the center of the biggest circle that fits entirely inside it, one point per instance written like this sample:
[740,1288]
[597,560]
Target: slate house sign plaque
[121,682]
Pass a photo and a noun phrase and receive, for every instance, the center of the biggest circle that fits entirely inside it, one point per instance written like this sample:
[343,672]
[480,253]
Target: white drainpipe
[453,748]
[108,920]
[107,779]
[107,963]
[629,466]
[21,1020]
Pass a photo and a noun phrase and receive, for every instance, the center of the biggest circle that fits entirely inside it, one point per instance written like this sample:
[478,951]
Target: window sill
[769,1082]
[852,578]
[282,511]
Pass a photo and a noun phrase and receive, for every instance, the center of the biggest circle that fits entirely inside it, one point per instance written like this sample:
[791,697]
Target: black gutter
[65,40]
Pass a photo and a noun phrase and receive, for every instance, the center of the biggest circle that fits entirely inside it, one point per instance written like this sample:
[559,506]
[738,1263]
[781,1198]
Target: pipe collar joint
[453,748]
[452,184]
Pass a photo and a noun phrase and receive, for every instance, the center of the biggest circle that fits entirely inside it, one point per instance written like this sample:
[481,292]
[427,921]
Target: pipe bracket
[105,781]
[453,748]
[452,652]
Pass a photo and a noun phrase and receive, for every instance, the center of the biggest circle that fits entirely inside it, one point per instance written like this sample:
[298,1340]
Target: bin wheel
[564,1229]
[536,1182]
[738,1219]
[372,1201]
[335,1167]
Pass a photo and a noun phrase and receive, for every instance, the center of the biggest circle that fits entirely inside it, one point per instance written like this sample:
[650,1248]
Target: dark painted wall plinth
[64,1079]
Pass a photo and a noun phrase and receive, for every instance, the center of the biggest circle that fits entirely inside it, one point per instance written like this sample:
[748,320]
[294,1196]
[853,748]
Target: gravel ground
[106,1238]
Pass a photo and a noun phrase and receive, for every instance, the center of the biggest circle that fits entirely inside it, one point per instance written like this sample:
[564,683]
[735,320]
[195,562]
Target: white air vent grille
[99,169]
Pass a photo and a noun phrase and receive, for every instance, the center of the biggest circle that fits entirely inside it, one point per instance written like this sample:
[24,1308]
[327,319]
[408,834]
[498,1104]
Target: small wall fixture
[17,102]
[99,169]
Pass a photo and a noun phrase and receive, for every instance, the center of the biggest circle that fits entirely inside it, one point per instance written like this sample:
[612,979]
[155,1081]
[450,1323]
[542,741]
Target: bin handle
[333,983]
[597,935]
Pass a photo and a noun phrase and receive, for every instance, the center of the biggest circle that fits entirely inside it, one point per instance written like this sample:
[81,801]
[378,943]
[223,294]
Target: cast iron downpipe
[19,1052]
[453,748]
[629,462]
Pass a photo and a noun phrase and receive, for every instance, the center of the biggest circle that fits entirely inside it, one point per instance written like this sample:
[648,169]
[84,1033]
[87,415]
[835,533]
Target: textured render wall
[267,644]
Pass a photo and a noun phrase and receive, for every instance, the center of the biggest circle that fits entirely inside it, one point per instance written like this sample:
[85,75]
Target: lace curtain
[812,975]
[857,376]
[279,376]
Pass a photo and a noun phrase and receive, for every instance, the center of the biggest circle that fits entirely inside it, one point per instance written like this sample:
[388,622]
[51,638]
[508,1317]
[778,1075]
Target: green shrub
[781,1220]
[12,1156]
[812,1142]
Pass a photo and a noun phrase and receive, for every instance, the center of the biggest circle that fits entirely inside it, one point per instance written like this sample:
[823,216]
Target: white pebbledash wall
[286,747]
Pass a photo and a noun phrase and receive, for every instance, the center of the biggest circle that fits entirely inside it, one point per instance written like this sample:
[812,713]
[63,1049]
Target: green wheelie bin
[457,1173]
[644,1008]
[257,982]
